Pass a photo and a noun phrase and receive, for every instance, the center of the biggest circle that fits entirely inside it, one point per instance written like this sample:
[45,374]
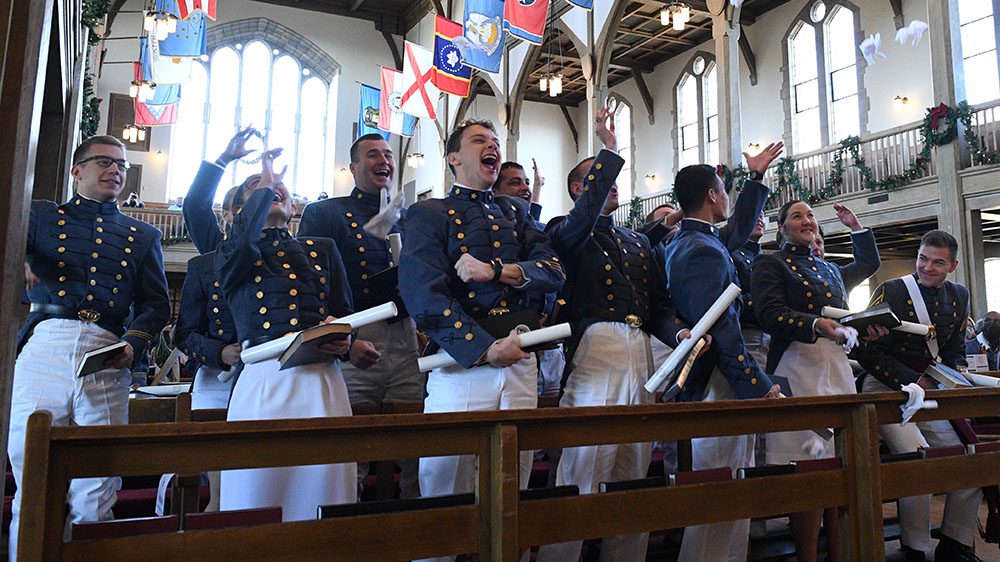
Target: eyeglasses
[105,162]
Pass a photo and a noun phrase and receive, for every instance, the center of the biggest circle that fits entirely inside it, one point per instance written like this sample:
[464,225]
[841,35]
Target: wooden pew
[499,525]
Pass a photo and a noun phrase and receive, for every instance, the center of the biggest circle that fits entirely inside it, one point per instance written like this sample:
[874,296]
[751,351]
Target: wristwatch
[497,268]
[755,175]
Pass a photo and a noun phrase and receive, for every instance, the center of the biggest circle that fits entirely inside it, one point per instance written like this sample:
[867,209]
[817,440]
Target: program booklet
[880,314]
[93,360]
[304,349]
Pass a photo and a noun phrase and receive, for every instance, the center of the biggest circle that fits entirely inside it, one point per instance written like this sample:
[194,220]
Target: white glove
[915,402]
[850,337]
[380,225]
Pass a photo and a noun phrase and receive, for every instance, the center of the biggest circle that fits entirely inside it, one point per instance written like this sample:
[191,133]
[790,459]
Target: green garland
[92,15]
[790,182]
[734,177]
[980,155]
[636,216]
[90,18]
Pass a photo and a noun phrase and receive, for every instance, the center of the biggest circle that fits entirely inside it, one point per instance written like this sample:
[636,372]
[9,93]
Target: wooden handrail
[499,526]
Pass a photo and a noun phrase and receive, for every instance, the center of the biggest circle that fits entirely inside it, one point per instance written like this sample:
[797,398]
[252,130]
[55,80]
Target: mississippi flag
[154,115]
[585,4]
[526,19]
[390,116]
[186,7]
[420,95]
[451,75]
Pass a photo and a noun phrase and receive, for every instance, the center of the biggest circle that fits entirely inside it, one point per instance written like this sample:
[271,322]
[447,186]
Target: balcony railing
[986,122]
[171,223]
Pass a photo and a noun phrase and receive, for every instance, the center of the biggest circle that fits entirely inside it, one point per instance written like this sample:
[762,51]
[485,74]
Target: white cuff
[525,277]
[217,165]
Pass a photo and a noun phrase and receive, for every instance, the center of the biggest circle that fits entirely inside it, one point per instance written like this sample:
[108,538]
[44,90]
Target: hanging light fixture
[675,14]
[133,133]
[158,23]
[543,83]
[556,85]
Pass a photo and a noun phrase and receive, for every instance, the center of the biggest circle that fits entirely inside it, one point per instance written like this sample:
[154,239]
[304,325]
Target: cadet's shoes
[950,550]
[913,555]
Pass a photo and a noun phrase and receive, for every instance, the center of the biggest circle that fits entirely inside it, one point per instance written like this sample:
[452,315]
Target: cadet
[96,268]
[699,268]
[386,352]
[470,260]
[276,284]
[927,297]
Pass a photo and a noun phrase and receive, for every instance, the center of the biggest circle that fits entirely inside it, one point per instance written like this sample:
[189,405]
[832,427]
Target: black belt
[68,312]
[632,320]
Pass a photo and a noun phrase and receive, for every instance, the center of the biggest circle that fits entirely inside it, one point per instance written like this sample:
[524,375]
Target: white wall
[353,43]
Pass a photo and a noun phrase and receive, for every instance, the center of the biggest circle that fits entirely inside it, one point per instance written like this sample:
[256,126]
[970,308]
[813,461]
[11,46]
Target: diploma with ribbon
[663,375]
[525,338]
[907,327]
[274,348]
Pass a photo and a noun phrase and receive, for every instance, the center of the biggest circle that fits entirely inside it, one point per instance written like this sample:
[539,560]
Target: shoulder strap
[921,309]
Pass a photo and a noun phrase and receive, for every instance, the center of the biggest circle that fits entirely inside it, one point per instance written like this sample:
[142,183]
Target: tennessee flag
[390,117]
[526,19]
[451,75]
[187,7]
[585,4]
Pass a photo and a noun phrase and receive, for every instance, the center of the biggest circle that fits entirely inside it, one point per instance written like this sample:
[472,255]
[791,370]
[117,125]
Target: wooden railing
[171,223]
[499,525]
[986,122]
[648,204]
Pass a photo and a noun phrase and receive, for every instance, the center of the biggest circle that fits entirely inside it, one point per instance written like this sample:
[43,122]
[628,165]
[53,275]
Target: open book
[304,349]
[94,359]
[880,314]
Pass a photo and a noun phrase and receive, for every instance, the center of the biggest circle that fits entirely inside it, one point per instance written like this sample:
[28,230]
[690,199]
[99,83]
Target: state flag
[481,43]
[161,68]
[420,95]
[155,115]
[189,39]
[585,4]
[188,7]
[390,116]
[368,112]
[451,75]
[526,19]
[164,94]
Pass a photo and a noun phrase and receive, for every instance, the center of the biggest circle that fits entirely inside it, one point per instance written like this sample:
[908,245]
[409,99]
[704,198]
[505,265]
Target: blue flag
[165,94]
[482,39]
[585,4]
[371,98]
[189,39]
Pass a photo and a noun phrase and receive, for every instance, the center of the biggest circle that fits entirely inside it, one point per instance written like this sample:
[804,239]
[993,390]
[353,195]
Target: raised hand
[268,179]
[236,148]
[847,217]
[763,159]
[536,188]
[606,129]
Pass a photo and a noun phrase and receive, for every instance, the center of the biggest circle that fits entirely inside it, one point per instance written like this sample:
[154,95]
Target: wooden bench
[499,525]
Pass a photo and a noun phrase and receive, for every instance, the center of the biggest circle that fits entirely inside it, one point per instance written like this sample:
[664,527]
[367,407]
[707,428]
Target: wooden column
[726,33]
[25,28]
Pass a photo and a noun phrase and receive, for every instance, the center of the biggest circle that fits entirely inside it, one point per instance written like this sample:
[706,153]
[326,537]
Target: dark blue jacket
[343,219]
[204,323]
[900,358]
[437,233]
[89,256]
[276,283]
[699,268]
[199,215]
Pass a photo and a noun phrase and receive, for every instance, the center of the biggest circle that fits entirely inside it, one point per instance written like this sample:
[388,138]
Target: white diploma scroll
[982,380]
[907,327]
[395,247]
[697,332]
[274,348]
[525,339]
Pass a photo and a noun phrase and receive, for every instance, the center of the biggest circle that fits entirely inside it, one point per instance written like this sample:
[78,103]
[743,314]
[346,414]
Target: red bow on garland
[720,169]
[939,112]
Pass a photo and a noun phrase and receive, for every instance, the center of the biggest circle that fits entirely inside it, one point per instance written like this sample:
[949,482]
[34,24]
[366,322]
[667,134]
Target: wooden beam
[439,8]
[356,4]
[397,57]
[391,23]
[747,51]
[647,98]
[897,12]
[572,126]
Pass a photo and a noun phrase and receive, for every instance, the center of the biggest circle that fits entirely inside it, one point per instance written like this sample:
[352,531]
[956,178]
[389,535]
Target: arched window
[260,85]
[622,114]
[823,76]
[697,111]
[979,49]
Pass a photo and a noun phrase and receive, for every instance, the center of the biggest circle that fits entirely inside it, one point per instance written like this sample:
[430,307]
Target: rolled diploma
[395,246]
[982,380]
[274,348]
[907,327]
[697,332]
[527,339]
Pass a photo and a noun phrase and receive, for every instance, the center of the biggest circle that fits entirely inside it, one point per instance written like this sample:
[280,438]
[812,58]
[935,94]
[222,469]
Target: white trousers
[45,379]
[307,391]
[483,388]
[961,508]
[394,378]
[551,364]
[610,366]
[726,541]
[208,392]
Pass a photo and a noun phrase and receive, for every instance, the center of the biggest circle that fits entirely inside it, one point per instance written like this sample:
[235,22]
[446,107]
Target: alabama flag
[420,95]
[390,116]
[526,19]
[186,7]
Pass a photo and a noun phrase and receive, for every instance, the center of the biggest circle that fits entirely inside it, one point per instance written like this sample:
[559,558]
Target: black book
[763,471]
[304,349]
[94,359]
[880,314]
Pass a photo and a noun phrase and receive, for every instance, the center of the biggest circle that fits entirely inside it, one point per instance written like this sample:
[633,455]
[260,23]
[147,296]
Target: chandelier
[415,159]
[142,89]
[134,133]
[675,14]
[159,23]
[551,82]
